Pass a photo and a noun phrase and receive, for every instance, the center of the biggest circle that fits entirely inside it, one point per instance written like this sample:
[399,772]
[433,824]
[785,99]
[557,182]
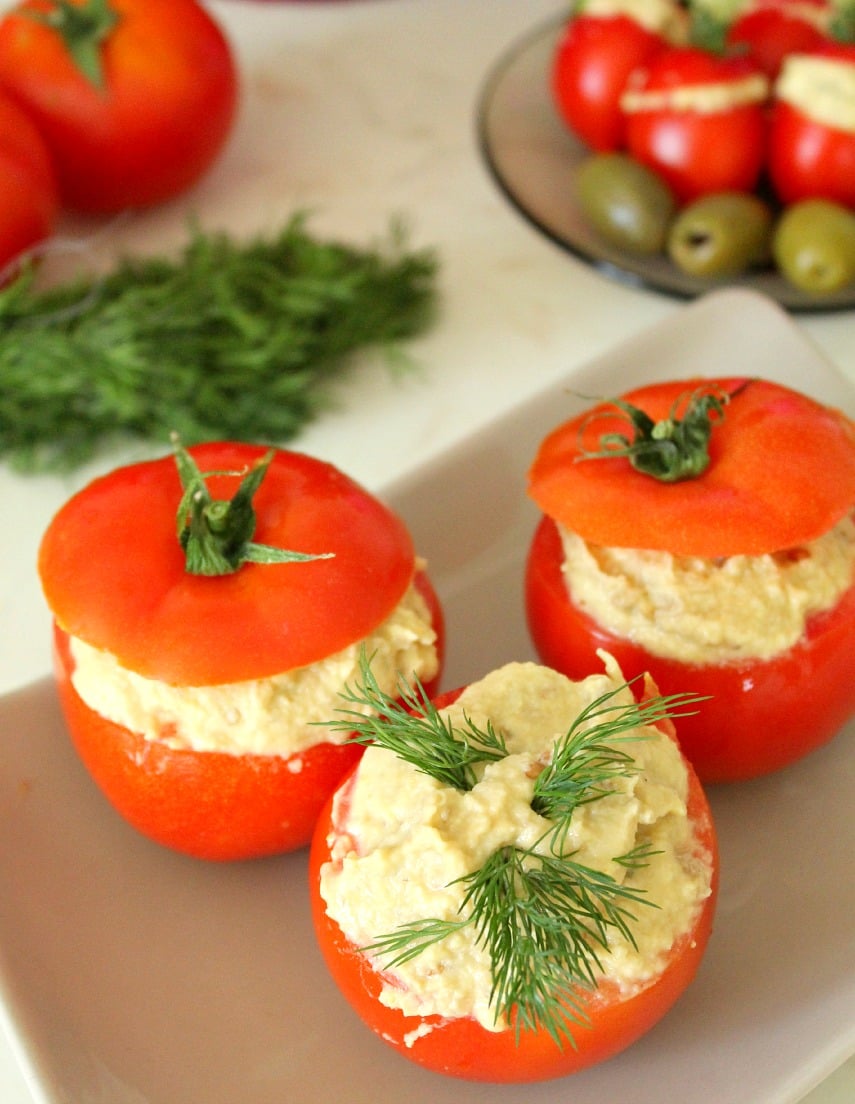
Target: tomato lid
[113,570]
[781,472]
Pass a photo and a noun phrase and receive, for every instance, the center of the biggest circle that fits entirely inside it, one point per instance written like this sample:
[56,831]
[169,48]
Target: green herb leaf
[586,759]
[230,340]
[543,920]
[413,728]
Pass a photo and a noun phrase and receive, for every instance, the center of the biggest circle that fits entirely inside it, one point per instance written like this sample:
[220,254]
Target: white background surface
[358,111]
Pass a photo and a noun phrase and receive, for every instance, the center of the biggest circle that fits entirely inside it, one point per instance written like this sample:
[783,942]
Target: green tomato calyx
[216,534]
[673,449]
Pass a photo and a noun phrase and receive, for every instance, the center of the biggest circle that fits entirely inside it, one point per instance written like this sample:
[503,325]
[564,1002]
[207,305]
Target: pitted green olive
[625,202]
[814,246]
[721,235]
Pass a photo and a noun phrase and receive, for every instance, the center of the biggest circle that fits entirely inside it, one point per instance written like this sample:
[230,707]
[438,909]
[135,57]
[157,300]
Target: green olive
[814,246]
[625,202]
[721,235]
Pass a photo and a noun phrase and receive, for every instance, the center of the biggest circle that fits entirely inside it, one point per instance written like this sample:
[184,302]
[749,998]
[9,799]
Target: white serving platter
[131,975]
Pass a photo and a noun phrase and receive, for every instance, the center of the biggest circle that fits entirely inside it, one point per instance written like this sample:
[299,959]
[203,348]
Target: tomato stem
[83,28]
[670,450]
[216,534]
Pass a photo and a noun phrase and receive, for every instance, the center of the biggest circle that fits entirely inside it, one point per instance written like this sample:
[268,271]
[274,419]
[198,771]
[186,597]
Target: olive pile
[812,242]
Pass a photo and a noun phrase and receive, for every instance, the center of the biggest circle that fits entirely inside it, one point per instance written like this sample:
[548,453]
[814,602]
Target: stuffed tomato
[518,880]
[209,608]
[703,531]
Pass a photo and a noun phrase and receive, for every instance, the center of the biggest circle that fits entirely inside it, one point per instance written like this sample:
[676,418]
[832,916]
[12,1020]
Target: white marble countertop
[358,112]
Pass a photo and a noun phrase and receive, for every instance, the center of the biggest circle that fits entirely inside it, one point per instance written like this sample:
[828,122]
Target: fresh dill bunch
[231,339]
[542,917]
[413,728]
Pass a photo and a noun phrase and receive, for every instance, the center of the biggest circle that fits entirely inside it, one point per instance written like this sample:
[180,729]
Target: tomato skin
[696,152]
[763,714]
[171,91]
[27,185]
[114,575]
[462,1048]
[592,63]
[209,805]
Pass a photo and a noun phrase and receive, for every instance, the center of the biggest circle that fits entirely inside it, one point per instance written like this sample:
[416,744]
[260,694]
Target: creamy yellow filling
[271,716]
[709,611]
[821,87]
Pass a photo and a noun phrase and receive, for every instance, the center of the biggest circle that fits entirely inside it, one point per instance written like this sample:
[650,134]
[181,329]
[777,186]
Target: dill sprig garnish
[229,340]
[411,726]
[543,918]
[587,757]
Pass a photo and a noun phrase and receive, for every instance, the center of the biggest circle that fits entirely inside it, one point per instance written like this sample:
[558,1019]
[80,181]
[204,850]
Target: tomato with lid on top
[730,575]
[519,879]
[209,609]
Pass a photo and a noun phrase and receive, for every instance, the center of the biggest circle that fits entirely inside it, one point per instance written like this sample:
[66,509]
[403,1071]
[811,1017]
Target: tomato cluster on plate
[127,104]
[711,104]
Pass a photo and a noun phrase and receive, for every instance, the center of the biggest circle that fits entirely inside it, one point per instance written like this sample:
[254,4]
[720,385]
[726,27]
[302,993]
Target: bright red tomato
[593,60]
[811,144]
[113,574]
[462,1047]
[698,120]
[165,110]
[27,186]
[782,472]
[771,29]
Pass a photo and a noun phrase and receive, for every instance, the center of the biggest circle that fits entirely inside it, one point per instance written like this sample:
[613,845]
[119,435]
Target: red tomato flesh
[464,1049]
[762,714]
[781,473]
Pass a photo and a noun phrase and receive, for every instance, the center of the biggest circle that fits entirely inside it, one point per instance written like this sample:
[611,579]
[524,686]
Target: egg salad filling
[270,716]
[710,611]
[404,843]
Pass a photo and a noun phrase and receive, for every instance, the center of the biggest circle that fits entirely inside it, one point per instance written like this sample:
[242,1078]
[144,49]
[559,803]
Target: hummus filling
[710,611]
[271,716]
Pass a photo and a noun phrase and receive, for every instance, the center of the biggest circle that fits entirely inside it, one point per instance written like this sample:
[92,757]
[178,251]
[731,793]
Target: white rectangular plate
[134,976]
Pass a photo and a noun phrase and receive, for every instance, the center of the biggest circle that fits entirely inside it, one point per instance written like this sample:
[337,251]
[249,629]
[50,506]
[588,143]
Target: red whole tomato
[114,576]
[151,116]
[770,30]
[27,186]
[698,120]
[462,1047]
[593,60]
[782,472]
[812,134]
